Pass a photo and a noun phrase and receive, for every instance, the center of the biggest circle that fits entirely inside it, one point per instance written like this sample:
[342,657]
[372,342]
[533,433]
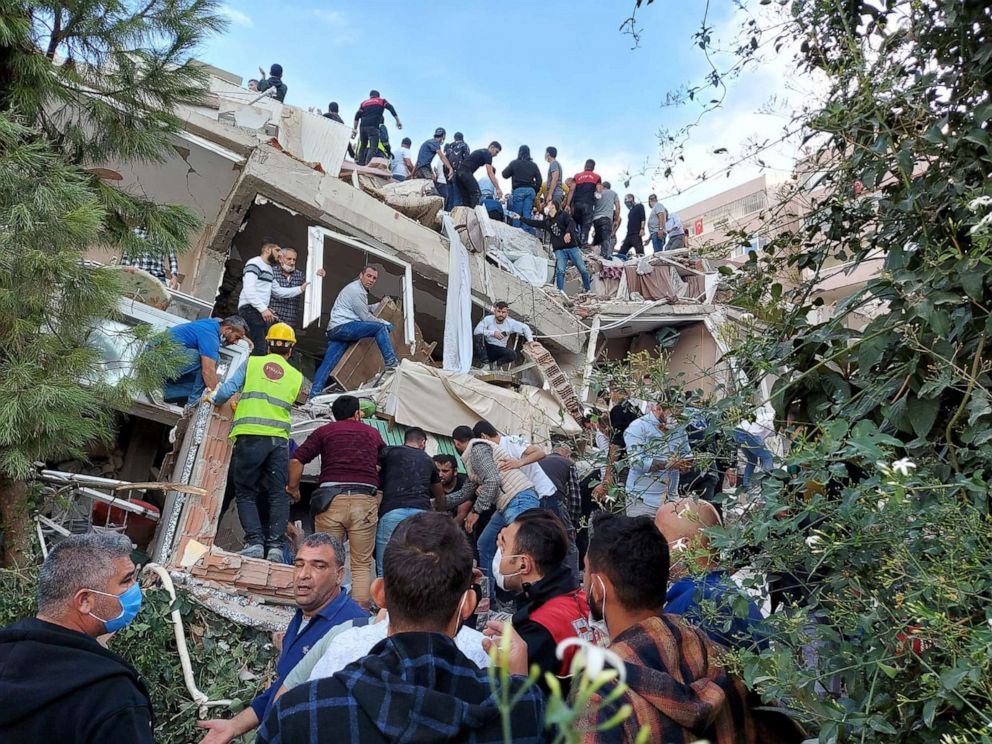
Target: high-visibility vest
[270,389]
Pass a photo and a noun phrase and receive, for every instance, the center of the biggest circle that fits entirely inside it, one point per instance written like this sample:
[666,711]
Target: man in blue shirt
[657,451]
[201,340]
[432,147]
[700,591]
[321,606]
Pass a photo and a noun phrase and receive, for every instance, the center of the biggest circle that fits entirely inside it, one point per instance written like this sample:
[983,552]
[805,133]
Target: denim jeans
[521,201]
[398,178]
[562,257]
[341,337]
[657,242]
[454,198]
[187,387]
[501,518]
[388,523]
[261,470]
[555,505]
[755,452]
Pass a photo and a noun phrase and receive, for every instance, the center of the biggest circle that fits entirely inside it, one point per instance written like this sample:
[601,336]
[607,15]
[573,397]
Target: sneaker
[253,551]
[274,555]
[393,364]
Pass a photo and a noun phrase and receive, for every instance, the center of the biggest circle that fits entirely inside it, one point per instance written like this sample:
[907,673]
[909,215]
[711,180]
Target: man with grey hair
[57,682]
[321,606]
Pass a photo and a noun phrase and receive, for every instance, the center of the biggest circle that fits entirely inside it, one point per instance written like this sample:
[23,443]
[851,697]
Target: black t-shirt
[523,174]
[585,187]
[476,160]
[635,219]
[622,415]
[407,475]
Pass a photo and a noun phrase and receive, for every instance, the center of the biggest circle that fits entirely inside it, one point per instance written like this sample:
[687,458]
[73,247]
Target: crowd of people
[438,560]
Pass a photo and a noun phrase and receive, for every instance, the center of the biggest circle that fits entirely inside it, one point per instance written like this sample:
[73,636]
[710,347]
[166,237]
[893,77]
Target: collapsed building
[252,167]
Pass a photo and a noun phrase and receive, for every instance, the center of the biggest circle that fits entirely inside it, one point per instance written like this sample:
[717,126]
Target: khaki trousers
[354,517]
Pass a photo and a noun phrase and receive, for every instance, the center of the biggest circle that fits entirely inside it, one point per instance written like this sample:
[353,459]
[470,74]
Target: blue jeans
[454,197]
[388,523]
[755,452]
[399,178]
[657,242]
[521,201]
[562,257]
[501,518]
[186,388]
[341,337]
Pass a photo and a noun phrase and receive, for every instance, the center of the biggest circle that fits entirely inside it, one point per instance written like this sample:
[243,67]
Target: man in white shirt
[258,286]
[352,319]
[402,166]
[492,333]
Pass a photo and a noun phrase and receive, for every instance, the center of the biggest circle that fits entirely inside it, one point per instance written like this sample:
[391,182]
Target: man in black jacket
[525,181]
[274,80]
[550,606]
[561,227]
[368,119]
[57,682]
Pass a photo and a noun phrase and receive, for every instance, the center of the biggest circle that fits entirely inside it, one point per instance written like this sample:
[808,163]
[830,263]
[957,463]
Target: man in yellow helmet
[269,387]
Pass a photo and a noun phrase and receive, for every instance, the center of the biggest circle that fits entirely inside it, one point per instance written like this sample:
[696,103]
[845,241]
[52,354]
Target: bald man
[696,578]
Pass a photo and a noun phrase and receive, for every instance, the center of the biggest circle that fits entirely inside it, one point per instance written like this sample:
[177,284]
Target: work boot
[274,555]
[253,551]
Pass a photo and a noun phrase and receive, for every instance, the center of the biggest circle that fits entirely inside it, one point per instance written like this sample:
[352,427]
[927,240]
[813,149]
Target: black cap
[439,132]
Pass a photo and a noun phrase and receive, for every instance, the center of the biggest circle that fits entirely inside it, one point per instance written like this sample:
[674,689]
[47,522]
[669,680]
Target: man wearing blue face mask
[57,682]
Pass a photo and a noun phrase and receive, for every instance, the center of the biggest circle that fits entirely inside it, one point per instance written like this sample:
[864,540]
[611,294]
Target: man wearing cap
[274,80]
[269,387]
[427,152]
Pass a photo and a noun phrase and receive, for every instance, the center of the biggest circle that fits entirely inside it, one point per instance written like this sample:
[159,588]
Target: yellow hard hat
[281,332]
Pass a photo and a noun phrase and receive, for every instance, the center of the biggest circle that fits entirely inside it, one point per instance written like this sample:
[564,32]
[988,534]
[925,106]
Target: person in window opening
[352,319]
[492,335]
[201,341]
[274,80]
[368,119]
[563,231]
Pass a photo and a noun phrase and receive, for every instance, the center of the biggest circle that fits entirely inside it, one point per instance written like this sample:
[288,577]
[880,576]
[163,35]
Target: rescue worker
[368,120]
[269,387]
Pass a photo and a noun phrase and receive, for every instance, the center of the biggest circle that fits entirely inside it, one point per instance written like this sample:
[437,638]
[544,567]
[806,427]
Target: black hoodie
[62,686]
[558,227]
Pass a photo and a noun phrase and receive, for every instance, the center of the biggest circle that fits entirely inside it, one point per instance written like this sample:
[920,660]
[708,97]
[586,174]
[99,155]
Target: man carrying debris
[57,682]
[368,119]
[201,340]
[468,187]
[345,505]
[492,333]
[269,387]
[352,319]
[320,607]
[425,156]
[257,290]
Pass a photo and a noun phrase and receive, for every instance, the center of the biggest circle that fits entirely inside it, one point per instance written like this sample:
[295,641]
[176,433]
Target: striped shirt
[258,287]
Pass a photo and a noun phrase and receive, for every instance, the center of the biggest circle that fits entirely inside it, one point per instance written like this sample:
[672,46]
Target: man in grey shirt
[553,185]
[657,216]
[606,218]
[352,319]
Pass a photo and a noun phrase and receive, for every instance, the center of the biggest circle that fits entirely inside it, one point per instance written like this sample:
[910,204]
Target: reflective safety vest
[270,389]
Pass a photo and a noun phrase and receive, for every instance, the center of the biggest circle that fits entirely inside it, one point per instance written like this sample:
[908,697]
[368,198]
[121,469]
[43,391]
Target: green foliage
[229,661]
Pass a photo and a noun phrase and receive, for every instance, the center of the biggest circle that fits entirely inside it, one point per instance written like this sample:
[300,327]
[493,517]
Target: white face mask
[498,577]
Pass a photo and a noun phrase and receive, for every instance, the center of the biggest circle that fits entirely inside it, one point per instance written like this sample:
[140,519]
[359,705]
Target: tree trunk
[15,522]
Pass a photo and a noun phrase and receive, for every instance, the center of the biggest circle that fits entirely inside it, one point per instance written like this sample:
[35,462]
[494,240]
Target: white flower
[904,467]
[679,545]
[812,541]
[884,467]
[881,504]
[592,658]
[982,201]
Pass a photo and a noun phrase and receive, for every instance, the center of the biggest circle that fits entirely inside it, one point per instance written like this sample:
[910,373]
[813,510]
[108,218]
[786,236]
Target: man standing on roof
[269,387]
[606,218]
[581,201]
[468,187]
[201,340]
[426,155]
[525,180]
[493,332]
[456,152]
[402,166]
[634,241]
[274,80]
[258,287]
[352,319]
[555,191]
[367,120]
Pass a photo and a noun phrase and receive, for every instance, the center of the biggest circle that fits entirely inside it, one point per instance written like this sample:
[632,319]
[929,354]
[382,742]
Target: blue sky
[558,73]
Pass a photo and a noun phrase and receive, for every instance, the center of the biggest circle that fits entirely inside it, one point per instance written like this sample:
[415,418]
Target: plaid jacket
[287,308]
[153,263]
[412,687]
[680,690]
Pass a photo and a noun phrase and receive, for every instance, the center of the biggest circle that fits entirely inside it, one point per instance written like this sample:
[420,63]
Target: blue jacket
[687,594]
[296,643]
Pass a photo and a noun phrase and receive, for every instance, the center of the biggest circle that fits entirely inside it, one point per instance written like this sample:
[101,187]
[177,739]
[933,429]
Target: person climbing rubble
[563,231]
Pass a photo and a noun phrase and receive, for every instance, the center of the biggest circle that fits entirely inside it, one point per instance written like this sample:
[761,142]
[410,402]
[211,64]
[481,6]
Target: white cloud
[333,18]
[236,17]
